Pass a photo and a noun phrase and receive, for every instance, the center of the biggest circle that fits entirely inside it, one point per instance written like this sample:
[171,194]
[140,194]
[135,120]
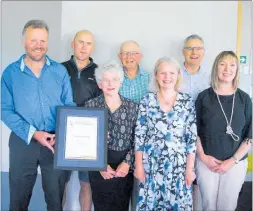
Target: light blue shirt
[30,103]
[193,84]
[135,89]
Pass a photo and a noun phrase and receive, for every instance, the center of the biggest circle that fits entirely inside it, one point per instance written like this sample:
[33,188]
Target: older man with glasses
[134,87]
[136,80]
[195,79]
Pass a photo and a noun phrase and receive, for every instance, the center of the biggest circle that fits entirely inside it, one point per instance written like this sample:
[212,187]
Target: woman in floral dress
[165,143]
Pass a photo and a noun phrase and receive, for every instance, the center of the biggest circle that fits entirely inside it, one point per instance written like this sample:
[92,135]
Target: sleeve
[247,130]
[10,117]
[191,129]
[130,155]
[198,113]
[141,125]
[67,94]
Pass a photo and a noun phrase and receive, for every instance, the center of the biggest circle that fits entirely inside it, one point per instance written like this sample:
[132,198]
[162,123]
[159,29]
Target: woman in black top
[224,122]
[111,189]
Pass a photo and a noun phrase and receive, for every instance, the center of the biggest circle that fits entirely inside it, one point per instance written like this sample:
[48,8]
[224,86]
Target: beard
[37,57]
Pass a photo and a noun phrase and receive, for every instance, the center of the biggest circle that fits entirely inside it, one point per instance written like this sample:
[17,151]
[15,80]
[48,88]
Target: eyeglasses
[129,53]
[107,81]
[193,48]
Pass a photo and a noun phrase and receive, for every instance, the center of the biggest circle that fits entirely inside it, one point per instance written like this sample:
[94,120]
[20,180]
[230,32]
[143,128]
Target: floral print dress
[165,138]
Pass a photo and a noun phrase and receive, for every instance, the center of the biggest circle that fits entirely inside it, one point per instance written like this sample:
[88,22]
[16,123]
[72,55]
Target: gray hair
[154,86]
[193,37]
[35,24]
[110,66]
[132,42]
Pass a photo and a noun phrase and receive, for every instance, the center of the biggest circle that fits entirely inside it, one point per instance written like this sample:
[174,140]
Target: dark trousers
[111,194]
[24,161]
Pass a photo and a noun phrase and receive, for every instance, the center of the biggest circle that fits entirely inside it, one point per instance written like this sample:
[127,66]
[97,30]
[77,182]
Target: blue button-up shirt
[29,103]
[135,89]
[194,83]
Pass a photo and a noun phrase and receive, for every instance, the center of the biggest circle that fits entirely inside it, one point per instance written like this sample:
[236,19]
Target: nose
[128,55]
[38,44]
[109,82]
[194,50]
[84,46]
[225,68]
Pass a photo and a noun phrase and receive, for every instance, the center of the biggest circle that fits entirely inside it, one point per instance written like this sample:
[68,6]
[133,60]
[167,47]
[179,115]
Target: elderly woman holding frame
[165,143]
[111,189]
[224,120]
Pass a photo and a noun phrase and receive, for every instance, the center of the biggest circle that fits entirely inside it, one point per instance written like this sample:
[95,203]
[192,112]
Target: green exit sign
[243,59]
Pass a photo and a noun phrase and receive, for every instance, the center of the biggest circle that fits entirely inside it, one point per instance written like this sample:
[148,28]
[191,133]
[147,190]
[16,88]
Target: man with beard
[81,72]
[195,79]
[135,85]
[32,88]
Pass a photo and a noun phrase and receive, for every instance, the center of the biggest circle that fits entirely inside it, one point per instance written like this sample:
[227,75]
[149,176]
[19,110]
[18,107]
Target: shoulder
[129,102]
[11,69]
[185,99]
[243,95]
[92,64]
[66,63]
[185,96]
[57,67]
[94,102]
[205,93]
[143,72]
[148,98]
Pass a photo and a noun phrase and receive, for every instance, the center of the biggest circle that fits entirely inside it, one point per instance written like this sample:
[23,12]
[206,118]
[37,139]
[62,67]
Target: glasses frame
[193,48]
[129,53]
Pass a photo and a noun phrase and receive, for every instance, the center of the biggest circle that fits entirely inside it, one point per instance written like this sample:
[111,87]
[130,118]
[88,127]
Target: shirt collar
[186,71]
[74,62]
[123,100]
[140,72]
[22,63]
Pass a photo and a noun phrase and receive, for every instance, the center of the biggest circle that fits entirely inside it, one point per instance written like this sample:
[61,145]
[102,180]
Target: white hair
[110,66]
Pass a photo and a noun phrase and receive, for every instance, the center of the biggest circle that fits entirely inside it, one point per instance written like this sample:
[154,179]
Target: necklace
[229,127]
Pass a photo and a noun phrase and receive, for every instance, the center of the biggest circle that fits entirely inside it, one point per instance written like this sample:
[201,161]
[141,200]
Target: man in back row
[195,79]
[135,85]
[136,80]
[81,72]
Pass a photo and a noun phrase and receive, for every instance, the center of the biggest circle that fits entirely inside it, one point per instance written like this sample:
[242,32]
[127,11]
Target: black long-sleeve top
[211,123]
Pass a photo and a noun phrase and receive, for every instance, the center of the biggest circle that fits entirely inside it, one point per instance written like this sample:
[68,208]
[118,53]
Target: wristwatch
[235,159]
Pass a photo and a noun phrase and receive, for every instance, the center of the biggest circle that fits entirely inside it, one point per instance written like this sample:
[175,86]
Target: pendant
[229,130]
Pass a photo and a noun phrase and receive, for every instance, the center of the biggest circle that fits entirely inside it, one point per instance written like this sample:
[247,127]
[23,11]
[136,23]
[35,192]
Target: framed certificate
[81,139]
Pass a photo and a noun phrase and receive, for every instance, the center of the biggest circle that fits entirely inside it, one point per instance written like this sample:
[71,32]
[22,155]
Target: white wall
[159,27]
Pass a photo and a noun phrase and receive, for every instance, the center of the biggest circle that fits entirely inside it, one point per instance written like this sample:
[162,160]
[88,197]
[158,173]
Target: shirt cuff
[30,134]
[128,159]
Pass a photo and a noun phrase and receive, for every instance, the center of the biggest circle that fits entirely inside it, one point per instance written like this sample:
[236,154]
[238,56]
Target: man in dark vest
[81,72]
